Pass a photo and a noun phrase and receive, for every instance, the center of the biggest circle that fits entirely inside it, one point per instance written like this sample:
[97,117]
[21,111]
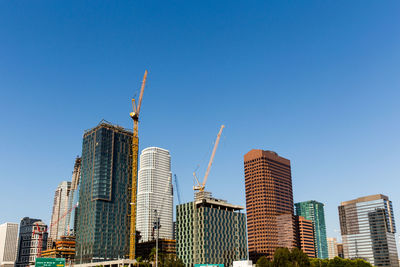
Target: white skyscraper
[154,193]
[60,208]
[8,244]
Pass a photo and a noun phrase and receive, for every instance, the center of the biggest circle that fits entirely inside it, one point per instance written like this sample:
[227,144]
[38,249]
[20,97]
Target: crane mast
[135,152]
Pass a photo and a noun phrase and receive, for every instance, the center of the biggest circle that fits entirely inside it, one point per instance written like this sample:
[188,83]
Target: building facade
[8,244]
[154,194]
[314,211]
[103,224]
[368,230]
[210,231]
[332,247]
[59,223]
[305,234]
[268,184]
[32,241]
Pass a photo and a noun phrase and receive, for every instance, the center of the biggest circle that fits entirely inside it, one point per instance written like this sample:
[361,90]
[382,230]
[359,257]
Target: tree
[299,258]
[263,262]
[282,258]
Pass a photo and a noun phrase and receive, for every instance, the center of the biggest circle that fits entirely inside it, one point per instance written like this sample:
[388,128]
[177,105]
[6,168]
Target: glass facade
[368,230]
[314,211]
[210,232]
[104,195]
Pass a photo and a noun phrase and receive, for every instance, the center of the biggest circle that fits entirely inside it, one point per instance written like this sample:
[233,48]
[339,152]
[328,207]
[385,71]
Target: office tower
[104,196]
[73,197]
[154,194]
[368,230]
[332,247]
[305,235]
[268,183]
[60,208]
[8,244]
[314,211]
[31,242]
[211,231]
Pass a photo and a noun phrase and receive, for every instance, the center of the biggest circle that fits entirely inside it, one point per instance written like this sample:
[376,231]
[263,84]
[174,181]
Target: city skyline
[332,118]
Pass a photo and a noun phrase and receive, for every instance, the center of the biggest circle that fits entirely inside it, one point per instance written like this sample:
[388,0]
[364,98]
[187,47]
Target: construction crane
[200,187]
[135,152]
[177,189]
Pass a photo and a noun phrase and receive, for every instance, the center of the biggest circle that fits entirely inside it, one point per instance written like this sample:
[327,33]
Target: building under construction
[210,230]
[62,248]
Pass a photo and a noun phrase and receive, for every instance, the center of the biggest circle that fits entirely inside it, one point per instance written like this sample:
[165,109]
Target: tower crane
[200,187]
[135,152]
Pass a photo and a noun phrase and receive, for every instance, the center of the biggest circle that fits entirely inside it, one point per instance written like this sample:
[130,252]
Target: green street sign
[49,262]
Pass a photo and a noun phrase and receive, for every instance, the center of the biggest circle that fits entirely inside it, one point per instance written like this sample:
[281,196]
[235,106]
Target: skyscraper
[154,193]
[32,241]
[104,195]
[332,247]
[314,211]
[368,230]
[8,244]
[211,231]
[60,208]
[268,183]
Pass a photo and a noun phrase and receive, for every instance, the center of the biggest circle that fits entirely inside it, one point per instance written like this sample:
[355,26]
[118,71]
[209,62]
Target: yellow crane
[135,152]
[200,187]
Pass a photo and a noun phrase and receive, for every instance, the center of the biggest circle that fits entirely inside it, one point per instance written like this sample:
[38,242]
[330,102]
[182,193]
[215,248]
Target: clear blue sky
[316,81]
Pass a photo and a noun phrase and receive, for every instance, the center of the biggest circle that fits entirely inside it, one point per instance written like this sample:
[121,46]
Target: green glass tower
[104,196]
[314,211]
[210,231]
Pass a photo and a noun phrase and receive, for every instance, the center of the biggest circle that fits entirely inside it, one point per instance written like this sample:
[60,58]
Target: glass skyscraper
[368,230]
[314,211]
[210,231]
[104,195]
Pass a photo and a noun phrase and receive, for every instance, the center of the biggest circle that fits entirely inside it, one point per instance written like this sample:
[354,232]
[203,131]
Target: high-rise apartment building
[268,184]
[60,207]
[368,230]
[314,211]
[332,247]
[154,194]
[31,242]
[211,231]
[103,224]
[8,244]
[305,234]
